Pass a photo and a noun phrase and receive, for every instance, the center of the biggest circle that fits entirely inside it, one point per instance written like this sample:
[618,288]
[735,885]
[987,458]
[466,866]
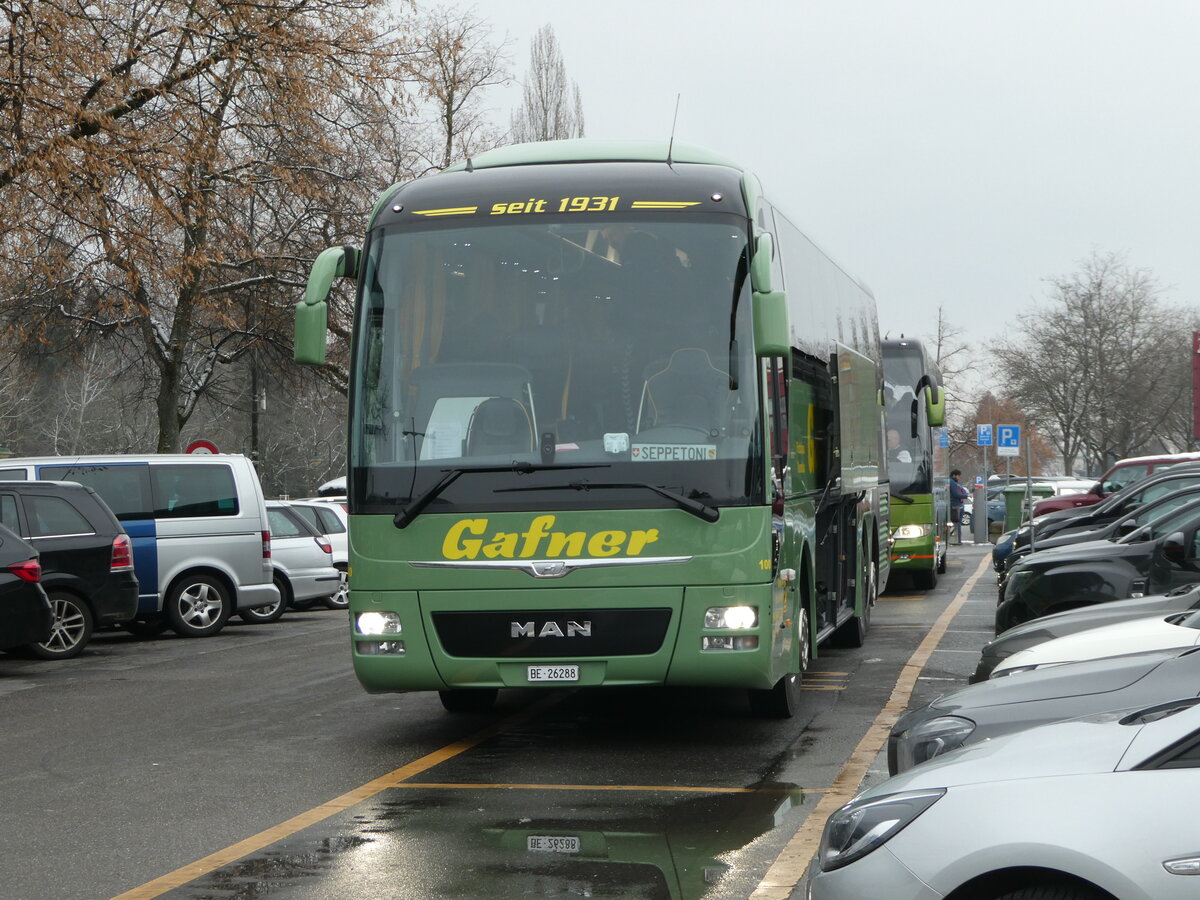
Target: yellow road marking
[286,829]
[652,788]
[787,870]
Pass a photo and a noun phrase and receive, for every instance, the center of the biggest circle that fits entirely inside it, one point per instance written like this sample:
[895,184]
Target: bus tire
[198,606]
[941,563]
[779,702]
[926,580]
[468,700]
[853,632]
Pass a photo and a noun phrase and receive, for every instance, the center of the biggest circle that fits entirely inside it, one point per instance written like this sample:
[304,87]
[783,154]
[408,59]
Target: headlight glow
[378,623]
[735,617]
[863,825]
[911,532]
[929,739]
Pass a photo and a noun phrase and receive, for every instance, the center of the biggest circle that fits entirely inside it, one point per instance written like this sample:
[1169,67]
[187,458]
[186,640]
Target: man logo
[550,629]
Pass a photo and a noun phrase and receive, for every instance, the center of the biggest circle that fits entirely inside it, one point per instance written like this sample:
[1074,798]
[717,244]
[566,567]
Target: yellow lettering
[606,543]
[538,529]
[503,545]
[516,207]
[498,209]
[455,546]
[562,544]
[639,539]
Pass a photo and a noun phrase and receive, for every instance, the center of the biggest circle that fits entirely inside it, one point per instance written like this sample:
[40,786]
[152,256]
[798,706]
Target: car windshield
[1164,524]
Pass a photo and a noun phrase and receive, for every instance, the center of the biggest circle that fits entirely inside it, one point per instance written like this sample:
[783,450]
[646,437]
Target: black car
[1127,523]
[1046,628]
[1156,558]
[1002,705]
[24,609]
[1107,510]
[87,559]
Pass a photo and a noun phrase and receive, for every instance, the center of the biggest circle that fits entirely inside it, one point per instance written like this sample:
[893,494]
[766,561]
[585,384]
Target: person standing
[958,495]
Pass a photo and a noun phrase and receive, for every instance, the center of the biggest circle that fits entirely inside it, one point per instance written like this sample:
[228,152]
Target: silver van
[198,523]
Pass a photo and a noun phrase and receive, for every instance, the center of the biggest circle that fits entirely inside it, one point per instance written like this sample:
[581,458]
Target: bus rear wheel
[467,700]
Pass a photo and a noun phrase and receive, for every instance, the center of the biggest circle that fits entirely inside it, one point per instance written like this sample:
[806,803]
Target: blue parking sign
[943,437]
[1008,436]
[983,435]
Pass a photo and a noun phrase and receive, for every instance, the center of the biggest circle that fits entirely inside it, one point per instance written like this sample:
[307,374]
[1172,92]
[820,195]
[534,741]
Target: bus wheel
[805,641]
[853,632]
[779,702]
[926,580]
[941,563]
[466,700]
[198,606]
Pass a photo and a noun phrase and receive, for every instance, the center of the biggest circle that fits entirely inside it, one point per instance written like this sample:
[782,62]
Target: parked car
[201,543]
[25,616]
[1121,474]
[1115,506]
[302,560]
[1154,559]
[329,517]
[86,558]
[986,710]
[1170,632]
[1187,498]
[1056,625]
[1092,808]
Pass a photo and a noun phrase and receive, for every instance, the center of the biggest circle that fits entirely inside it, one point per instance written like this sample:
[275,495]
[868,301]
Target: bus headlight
[378,623]
[911,532]
[735,617]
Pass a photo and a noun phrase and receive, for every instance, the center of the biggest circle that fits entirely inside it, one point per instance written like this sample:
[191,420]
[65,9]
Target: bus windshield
[546,355]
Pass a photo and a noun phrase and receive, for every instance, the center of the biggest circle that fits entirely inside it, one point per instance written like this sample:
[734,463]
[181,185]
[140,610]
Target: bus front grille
[551,633]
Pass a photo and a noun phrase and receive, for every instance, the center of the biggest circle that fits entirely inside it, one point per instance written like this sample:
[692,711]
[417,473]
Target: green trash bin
[1014,502]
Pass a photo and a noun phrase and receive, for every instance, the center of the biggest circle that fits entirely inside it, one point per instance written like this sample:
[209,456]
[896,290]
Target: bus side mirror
[772,335]
[760,264]
[935,406]
[312,313]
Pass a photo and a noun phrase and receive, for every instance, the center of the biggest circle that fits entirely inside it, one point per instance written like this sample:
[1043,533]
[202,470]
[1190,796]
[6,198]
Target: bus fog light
[736,617]
[730,642]
[378,623]
[380,648]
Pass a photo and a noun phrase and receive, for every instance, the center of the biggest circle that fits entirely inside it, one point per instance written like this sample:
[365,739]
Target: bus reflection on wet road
[459,841]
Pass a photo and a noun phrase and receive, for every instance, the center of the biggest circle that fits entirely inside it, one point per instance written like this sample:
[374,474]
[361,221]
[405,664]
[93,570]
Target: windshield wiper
[904,497]
[416,507]
[695,507]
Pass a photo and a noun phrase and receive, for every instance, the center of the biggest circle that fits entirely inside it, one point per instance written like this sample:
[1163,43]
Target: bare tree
[552,108]
[452,63]
[141,138]
[1090,367]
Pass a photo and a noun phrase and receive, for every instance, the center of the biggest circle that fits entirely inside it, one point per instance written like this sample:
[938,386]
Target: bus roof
[590,150]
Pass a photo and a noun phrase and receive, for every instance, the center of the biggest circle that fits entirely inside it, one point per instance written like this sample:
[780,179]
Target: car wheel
[1052,892]
[468,700]
[71,630]
[262,615]
[340,599]
[198,606]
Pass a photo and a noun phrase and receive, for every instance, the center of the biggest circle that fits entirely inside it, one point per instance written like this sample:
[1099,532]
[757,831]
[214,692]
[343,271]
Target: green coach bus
[916,461]
[614,420]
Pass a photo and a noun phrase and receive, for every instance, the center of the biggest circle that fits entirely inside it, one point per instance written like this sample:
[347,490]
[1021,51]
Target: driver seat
[688,390]
[499,425]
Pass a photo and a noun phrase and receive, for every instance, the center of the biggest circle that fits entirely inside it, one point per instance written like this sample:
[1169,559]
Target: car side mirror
[1127,527]
[1174,547]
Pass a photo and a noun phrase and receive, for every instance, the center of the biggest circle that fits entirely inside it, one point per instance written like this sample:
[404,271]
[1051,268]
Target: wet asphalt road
[252,765]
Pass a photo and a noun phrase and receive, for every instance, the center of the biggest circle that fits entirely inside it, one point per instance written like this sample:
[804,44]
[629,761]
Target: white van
[198,523]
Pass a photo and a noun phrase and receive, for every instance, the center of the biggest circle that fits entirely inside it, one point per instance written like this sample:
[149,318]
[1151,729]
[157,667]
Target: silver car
[302,560]
[1088,809]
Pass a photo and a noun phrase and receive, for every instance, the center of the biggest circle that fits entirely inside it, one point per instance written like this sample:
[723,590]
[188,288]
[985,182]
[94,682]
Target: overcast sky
[945,152]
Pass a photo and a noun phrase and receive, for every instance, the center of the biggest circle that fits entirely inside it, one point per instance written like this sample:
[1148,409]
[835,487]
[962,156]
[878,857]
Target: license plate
[553,673]
[549,843]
